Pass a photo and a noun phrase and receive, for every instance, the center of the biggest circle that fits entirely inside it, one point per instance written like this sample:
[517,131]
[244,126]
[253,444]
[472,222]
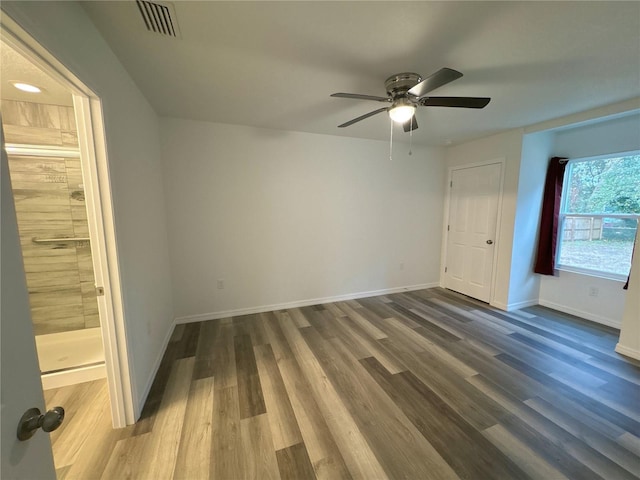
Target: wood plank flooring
[418,385]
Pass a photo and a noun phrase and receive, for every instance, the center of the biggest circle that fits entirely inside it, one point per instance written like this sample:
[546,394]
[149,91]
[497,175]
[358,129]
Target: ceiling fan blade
[459,102]
[358,96]
[362,117]
[437,80]
[410,125]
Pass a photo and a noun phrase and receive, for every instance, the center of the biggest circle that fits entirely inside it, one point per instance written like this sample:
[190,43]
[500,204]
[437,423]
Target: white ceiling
[15,68]
[274,64]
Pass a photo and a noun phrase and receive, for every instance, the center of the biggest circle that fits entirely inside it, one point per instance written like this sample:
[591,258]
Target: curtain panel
[548,236]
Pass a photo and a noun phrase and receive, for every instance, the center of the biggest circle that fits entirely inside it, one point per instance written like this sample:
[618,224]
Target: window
[599,215]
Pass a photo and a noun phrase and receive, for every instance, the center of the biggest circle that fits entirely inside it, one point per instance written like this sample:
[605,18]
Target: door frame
[445,221]
[98,197]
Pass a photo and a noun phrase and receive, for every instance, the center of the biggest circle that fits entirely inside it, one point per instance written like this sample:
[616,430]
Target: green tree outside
[610,185]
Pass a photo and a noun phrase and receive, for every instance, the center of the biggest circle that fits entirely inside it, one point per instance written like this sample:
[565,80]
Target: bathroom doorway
[56,150]
[48,187]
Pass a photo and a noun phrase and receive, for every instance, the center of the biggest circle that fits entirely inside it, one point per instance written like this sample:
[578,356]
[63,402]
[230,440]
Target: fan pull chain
[391,141]
[410,136]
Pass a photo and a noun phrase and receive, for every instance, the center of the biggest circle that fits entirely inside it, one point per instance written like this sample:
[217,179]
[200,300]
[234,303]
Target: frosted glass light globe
[402,113]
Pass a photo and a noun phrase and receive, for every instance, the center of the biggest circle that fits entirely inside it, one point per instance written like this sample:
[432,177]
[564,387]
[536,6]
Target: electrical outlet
[593,291]
[220,284]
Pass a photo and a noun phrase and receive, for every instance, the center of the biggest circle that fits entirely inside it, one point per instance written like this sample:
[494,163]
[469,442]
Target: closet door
[473,214]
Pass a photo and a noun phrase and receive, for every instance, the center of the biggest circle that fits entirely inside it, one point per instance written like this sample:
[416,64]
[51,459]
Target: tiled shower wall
[49,197]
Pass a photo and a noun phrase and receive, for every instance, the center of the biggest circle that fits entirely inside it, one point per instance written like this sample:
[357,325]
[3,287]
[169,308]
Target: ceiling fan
[406,91]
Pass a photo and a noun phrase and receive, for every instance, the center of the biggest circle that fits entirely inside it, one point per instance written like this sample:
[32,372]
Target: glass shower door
[54,236]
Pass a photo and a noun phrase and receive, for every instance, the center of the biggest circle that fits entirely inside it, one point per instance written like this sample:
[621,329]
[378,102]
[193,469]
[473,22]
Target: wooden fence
[582,228]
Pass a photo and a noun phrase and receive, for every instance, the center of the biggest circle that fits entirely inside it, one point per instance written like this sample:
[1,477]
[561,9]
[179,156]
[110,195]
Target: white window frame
[562,215]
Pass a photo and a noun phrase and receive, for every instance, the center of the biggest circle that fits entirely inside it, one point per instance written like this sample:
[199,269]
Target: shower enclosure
[46,178]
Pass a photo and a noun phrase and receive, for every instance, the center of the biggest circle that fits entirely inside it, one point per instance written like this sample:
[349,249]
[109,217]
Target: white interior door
[473,214]
[21,387]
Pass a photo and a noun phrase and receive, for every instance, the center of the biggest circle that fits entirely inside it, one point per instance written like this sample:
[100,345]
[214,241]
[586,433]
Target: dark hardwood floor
[417,385]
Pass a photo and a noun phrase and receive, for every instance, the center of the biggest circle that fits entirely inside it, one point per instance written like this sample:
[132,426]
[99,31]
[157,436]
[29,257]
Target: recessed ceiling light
[26,87]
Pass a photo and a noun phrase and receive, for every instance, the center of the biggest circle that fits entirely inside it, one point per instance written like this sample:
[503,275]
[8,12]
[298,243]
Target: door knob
[489,242]
[32,420]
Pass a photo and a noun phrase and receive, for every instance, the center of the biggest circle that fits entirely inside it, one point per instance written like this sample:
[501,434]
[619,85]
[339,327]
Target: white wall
[524,285]
[629,343]
[132,135]
[505,146]
[619,134]
[569,292]
[286,217]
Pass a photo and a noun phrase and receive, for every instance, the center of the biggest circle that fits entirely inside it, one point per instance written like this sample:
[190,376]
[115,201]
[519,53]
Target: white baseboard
[140,401]
[518,305]
[300,303]
[628,352]
[514,306]
[579,313]
[500,305]
[73,376]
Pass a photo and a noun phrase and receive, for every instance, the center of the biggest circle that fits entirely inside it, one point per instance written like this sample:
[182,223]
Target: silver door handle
[32,420]
[489,242]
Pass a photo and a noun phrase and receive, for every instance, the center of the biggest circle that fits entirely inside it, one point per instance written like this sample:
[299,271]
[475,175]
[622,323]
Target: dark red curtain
[548,237]
[626,285]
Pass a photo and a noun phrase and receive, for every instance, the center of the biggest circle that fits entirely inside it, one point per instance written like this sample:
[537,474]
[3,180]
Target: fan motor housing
[399,83]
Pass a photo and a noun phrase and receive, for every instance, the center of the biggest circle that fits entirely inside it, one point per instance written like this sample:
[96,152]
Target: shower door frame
[95,172]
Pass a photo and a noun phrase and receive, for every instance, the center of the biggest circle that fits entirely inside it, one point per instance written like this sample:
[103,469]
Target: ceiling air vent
[159,17]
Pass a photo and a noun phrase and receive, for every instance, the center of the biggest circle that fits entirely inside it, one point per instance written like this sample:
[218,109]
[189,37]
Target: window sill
[592,273]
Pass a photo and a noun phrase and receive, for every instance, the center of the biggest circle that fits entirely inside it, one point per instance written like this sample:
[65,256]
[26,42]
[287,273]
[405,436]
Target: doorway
[474,199]
[57,149]
[48,187]
[46,177]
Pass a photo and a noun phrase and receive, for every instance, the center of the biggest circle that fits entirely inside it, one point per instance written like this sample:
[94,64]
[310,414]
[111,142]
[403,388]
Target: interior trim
[142,398]
[628,352]
[582,314]
[299,303]
[73,376]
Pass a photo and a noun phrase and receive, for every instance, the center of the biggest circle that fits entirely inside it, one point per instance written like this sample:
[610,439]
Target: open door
[21,387]
[97,192]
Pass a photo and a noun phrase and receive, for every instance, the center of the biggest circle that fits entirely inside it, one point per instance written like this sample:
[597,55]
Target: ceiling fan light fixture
[406,91]
[402,113]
